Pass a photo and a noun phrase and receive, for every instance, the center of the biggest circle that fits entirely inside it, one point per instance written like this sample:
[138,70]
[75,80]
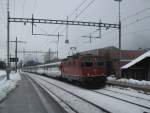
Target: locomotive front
[93,69]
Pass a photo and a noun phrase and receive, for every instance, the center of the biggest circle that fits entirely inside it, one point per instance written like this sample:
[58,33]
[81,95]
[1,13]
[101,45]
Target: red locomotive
[85,69]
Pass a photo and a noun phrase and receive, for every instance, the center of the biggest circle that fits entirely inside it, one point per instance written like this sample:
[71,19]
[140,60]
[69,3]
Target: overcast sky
[135,16]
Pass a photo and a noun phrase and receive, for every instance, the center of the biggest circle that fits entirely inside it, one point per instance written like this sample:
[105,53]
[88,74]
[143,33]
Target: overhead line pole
[16,56]
[119,41]
[119,74]
[8,57]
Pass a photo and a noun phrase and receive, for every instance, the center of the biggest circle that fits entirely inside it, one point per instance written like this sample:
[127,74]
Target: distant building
[111,54]
[138,68]
[2,65]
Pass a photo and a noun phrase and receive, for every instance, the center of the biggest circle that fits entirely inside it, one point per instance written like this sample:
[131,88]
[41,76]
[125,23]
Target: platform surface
[28,97]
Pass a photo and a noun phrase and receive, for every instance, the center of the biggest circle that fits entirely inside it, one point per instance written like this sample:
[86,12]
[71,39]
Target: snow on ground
[111,104]
[2,73]
[129,81]
[8,85]
[132,99]
[128,91]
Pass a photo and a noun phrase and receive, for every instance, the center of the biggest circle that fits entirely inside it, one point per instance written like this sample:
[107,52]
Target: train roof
[48,64]
[54,63]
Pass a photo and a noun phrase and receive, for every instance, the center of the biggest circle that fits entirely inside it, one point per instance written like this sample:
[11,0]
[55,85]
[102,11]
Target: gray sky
[133,35]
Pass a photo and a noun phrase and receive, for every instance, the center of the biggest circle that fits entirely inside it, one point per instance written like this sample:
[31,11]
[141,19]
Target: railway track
[145,108]
[127,94]
[72,108]
[136,87]
[109,95]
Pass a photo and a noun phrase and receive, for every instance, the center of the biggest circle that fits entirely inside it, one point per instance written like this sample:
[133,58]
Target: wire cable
[85,8]
[135,14]
[131,16]
[76,9]
[82,3]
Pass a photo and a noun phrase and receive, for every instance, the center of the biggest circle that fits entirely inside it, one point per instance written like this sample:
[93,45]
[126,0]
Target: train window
[86,64]
[99,62]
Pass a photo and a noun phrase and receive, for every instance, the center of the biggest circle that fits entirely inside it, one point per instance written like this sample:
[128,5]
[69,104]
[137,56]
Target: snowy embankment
[7,85]
[129,81]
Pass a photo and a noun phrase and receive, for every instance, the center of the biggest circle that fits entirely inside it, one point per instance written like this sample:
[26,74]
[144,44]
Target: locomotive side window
[87,62]
[99,62]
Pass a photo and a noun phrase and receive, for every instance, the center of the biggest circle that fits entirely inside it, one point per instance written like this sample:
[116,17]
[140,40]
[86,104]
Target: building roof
[138,59]
[114,53]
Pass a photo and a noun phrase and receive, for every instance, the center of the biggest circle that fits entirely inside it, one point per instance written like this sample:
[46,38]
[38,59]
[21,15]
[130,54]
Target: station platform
[28,97]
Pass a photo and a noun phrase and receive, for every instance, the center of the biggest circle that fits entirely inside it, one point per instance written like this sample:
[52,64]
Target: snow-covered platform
[134,84]
[29,98]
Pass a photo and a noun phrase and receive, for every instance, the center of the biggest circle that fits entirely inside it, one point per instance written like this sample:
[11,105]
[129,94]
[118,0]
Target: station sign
[14,59]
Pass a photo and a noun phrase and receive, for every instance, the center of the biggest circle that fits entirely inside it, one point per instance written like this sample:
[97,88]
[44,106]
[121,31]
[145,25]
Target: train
[86,70]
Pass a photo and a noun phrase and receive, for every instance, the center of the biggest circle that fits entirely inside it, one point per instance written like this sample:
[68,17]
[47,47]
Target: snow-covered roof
[138,59]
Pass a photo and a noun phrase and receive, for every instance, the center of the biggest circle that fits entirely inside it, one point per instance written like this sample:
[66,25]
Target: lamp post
[119,38]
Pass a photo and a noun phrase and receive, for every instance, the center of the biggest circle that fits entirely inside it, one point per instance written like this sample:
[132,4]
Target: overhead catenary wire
[82,3]
[23,7]
[81,12]
[1,6]
[136,14]
[2,14]
[75,10]
[136,21]
[85,8]
[14,6]
[129,17]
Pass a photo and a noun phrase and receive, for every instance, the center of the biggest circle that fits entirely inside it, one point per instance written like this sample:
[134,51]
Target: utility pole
[8,57]
[49,55]
[57,44]
[16,56]
[67,41]
[119,63]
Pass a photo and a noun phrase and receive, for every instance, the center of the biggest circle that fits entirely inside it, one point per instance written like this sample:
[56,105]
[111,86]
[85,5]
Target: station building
[138,68]
[111,55]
